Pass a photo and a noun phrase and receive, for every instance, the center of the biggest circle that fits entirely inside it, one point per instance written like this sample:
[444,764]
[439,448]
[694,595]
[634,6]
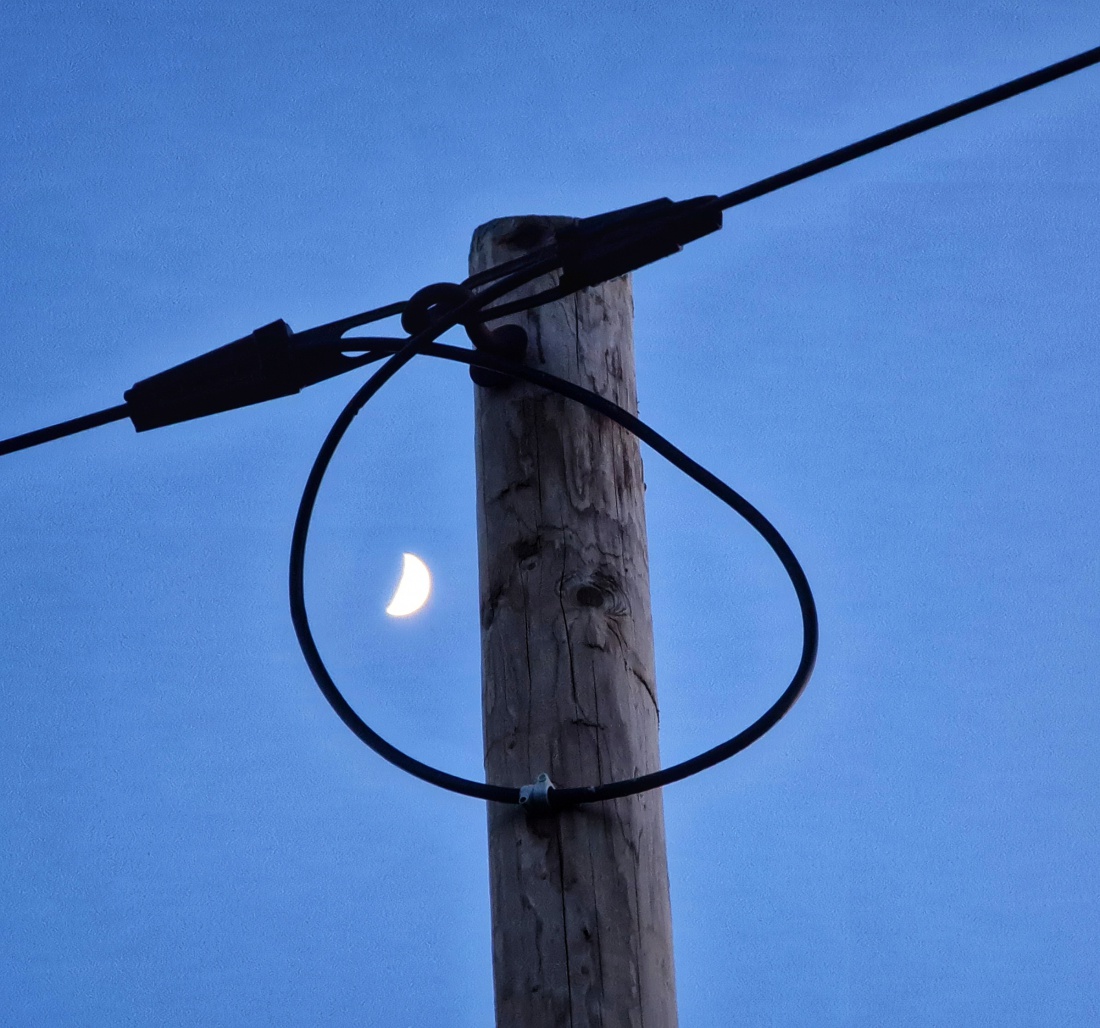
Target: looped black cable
[558,798]
[442,298]
[432,302]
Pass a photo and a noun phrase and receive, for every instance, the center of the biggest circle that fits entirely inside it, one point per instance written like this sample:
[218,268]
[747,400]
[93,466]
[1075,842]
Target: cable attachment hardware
[509,342]
[262,366]
[535,799]
[603,247]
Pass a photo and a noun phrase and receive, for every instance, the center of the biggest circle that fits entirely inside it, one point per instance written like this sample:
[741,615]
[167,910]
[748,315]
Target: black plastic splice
[601,248]
[262,366]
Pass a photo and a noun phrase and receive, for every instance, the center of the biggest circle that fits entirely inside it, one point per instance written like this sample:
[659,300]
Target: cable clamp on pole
[535,799]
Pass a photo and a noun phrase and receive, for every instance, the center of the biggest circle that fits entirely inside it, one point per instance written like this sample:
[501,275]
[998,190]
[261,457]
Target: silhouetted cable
[599,248]
[911,128]
[421,343]
[271,362]
[587,252]
[81,424]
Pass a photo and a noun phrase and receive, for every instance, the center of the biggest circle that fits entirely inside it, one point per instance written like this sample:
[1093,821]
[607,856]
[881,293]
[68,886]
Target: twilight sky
[895,361]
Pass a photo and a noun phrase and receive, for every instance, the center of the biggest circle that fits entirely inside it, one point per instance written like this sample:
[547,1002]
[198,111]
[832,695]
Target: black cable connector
[274,362]
[597,249]
[262,366]
[271,362]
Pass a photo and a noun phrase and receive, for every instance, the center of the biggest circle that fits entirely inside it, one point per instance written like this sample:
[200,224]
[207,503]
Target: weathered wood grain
[580,902]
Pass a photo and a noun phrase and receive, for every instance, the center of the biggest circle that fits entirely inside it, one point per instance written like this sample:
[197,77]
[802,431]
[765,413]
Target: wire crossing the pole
[596,249]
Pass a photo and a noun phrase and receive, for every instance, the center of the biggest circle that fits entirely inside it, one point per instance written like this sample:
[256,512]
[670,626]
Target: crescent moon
[413,590]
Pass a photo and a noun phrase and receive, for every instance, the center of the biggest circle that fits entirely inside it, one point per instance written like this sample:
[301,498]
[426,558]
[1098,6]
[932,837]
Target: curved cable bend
[421,343]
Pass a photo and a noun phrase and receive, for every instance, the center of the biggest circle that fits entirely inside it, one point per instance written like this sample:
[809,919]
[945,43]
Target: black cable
[71,427]
[342,325]
[908,129]
[421,343]
[234,375]
[651,221]
[586,252]
[548,295]
[404,352]
[595,249]
[516,265]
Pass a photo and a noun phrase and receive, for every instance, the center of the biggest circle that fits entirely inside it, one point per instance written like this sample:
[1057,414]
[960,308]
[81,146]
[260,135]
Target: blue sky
[894,361]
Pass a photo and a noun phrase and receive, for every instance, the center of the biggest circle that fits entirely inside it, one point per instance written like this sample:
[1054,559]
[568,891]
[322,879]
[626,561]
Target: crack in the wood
[530,683]
[637,919]
[577,333]
[646,684]
[513,487]
[489,612]
[564,920]
[599,748]
[535,324]
[598,962]
[530,906]
[538,475]
[568,639]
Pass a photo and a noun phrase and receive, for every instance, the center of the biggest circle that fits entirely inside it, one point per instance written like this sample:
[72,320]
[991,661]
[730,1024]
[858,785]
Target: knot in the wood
[521,233]
[529,234]
[596,589]
[526,550]
[590,596]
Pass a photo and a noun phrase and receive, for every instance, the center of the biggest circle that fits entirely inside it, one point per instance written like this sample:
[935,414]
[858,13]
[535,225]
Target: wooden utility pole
[582,927]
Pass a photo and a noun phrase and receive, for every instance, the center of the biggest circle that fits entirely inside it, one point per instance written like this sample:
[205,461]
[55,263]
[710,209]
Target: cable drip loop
[433,310]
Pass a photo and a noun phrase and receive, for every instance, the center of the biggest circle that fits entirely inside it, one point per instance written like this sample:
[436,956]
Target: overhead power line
[273,361]
[908,129]
[81,424]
